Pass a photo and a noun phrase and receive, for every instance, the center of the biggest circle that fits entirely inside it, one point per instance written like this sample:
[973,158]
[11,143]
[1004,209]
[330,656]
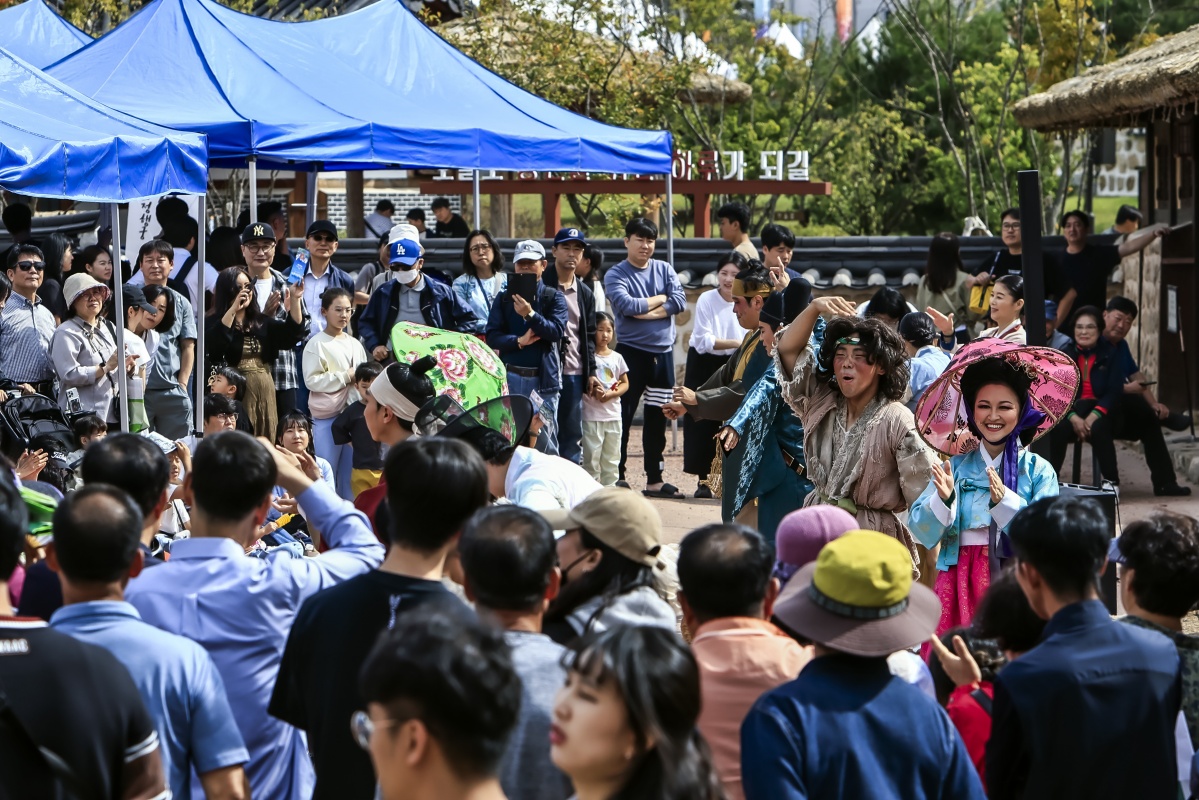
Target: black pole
[1033,268]
[1032,261]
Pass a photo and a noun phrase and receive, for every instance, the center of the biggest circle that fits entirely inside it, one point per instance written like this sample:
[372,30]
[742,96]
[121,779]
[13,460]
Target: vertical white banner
[141,225]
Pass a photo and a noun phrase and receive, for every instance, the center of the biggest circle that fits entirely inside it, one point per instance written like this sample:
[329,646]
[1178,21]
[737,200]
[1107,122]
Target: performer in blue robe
[766,444]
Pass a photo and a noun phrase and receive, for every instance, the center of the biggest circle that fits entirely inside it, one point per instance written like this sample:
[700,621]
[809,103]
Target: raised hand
[942,475]
[959,665]
[944,323]
[835,307]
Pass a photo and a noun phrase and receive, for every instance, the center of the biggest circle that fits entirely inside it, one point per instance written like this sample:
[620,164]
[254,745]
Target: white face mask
[406,276]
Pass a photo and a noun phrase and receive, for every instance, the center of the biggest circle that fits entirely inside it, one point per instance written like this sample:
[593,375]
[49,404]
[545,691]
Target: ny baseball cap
[528,250]
[570,235]
[322,226]
[256,231]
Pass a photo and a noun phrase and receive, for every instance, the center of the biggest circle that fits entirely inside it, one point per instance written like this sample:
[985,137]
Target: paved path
[1137,500]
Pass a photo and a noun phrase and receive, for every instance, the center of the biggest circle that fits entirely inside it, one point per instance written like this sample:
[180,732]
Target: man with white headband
[412,296]
[391,405]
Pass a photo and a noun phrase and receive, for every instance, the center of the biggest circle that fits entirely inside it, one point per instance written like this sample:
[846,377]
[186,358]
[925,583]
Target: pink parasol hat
[942,418]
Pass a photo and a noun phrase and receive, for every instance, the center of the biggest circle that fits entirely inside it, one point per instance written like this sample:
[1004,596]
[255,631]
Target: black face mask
[566,570]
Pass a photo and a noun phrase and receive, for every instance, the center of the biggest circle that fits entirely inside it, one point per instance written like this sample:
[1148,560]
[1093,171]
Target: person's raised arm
[1138,241]
[795,337]
[353,548]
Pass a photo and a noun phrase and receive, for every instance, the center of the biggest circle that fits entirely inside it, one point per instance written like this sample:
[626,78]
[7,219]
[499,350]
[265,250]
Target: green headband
[849,340]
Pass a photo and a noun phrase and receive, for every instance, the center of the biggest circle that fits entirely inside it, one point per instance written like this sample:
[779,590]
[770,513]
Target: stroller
[34,422]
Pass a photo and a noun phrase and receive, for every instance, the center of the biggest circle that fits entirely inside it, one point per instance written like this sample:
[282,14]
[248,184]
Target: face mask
[406,276]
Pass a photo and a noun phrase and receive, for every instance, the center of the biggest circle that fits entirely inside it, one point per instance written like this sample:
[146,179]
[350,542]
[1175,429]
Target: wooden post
[552,206]
[297,205]
[355,229]
[499,212]
[702,203]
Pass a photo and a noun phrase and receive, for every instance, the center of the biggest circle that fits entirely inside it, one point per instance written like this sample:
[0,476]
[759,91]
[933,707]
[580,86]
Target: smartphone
[523,284]
[540,407]
[299,267]
[73,402]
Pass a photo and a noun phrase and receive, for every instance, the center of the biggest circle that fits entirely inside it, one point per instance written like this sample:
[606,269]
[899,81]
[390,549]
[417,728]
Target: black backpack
[179,281]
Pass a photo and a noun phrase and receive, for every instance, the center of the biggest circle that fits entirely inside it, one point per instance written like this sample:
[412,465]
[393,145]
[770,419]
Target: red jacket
[973,722]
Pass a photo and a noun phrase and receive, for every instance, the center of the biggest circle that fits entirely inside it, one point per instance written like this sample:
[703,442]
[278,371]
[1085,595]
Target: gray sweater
[526,772]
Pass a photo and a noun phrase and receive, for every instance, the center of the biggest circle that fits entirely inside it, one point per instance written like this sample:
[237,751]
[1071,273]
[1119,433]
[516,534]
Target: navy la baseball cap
[570,235]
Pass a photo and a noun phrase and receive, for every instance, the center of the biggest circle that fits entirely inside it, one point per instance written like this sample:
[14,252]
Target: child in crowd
[330,361]
[601,409]
[928,361]
[87,429]
[350,428]
[140,315]
[294,434]
[175,521]
[231,383]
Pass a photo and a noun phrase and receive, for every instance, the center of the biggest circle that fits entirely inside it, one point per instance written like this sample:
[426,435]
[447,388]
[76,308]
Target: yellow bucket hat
[858,597]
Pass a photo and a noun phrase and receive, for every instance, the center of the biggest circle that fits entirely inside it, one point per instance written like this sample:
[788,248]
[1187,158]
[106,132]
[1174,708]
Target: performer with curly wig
[862,448]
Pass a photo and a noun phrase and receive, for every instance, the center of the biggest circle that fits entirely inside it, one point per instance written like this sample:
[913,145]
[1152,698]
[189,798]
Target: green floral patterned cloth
[467,369]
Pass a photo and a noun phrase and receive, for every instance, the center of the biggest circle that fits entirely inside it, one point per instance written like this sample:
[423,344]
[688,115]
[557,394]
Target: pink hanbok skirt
[961,587]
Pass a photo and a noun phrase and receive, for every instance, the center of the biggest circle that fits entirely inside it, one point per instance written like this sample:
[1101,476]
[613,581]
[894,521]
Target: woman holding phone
[239,335]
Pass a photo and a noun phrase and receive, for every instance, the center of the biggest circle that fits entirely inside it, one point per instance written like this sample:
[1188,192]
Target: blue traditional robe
[932,521]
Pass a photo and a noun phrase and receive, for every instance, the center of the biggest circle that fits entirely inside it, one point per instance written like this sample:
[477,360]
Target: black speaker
[1106,498]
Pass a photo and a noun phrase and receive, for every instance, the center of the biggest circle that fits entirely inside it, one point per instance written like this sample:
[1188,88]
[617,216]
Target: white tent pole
[310,210]
[478,210]
[670,219]
[118,312]
[253,161]
[200,380]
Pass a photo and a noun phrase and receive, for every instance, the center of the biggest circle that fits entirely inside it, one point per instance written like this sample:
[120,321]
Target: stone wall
[336,200]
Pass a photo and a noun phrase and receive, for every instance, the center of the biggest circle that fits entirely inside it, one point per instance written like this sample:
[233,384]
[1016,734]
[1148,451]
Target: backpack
[179,281]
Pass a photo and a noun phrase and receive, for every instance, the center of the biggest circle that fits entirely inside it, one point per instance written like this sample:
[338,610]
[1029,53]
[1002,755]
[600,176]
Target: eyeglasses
[322,237]
[260,248]
[226,417]
[1084,327]
[1011,226]
[26,266]
[481,248]
[362,727]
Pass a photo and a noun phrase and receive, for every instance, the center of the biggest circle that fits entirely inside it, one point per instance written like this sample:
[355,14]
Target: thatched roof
[1155,81]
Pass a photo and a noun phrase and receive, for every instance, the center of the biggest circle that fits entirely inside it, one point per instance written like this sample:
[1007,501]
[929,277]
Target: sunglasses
[26,266]
[322,237]
[259,248]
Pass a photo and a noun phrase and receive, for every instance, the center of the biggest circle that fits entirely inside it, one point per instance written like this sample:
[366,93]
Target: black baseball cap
[134,297]
[322,226]
[257,231]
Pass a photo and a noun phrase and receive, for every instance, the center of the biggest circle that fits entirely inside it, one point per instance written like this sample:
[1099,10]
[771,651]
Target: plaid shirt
[25,333]
[284,370]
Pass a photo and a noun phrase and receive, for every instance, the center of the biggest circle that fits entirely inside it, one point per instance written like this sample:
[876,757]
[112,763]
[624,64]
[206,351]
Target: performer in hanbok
[720,396]
[764,439]
[993,396]
[860,442]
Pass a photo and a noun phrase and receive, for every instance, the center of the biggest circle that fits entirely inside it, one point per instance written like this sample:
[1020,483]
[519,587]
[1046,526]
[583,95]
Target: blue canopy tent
[35,32]
[436,88]
[282,93]
[56,143]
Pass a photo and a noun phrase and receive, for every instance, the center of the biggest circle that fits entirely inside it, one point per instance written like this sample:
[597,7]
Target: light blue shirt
[479,294]
[326,476]
[179,683]
[926,366]
[241,610]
